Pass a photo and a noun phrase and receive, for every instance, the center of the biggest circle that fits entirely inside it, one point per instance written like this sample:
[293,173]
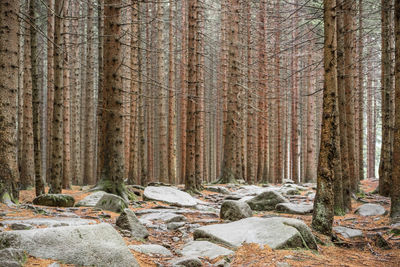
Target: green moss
[339,212]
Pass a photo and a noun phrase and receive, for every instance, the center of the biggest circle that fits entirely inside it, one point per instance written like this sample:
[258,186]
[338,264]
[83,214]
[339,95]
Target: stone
[54,200]
[112,203]
[266,201]
[292,208]
[187,262]
[347,232]
[218,189]
[169,195]
[166,217]
[11,257]
[287,181]
[222,263]
[20,226]
[98,245]
[54,264]
[204,249]
[50,222]
[151,249]
[370,210]
[282,264]
[235,210]
[128,221]
[175,225]
[276,232]
[91,200]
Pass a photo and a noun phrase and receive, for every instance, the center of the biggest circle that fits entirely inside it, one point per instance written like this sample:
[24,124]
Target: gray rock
[235,210]
[162,216]
[169,195]
[175,225]
[91,200]
[222,263]
[282,264]
[287,181]
[266,201]
[54,200]
[50,222]
[20,226]
[128,221]
[347,232]
[54,264]
[112,202]
[218,189]
[292,208]
[151,249]
[187,262]
[204,249]
[370,210]
[277,233]
[10,257]
[98,245]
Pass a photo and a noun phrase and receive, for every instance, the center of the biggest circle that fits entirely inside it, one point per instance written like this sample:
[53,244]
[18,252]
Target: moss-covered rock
[54,200]
[112,203]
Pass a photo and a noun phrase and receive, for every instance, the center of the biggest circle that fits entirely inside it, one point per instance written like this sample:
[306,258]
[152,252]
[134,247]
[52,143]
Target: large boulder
[54,200]
[218,189]
[266,201]
[292,208]
[128,221]
[112,202]
[169,195]
[204,249]
[91,200]
[49,222]
[370,210]
[235,210]
[98,245]
[276,232]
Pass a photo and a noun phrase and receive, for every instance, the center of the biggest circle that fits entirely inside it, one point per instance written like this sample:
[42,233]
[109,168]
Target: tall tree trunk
[27,169]
[323,205]
[385,165]
[8,99]
[278,136]
[295,100]
[57,123]
[183,97]
[395,193]
[228,172]
[36,100]
[100,123]
[171,101]
[361,91]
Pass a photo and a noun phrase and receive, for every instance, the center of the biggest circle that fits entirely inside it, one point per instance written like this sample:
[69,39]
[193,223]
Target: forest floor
[362,251]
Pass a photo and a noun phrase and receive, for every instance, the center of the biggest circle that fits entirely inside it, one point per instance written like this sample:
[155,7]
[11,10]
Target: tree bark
[323,205]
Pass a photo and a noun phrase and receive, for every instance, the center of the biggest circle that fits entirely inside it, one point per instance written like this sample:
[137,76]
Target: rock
[128,221]
[370,210]
[91,200]
[20,226]
[54,200]
[162,216]
[347,232]
[175,225]
[169,195]
[277,233]
[287,181]
[151,249]
[218,189]
[222,263]
[204,249]
[54,264]
[235,210]
[50,222]
[11,257]
[292,208]
[98,245]
[266,201]
[187,262]
[112,202]
[282,264]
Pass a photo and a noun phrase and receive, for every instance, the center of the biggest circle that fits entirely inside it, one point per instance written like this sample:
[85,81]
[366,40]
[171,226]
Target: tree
[112,152]
[385,165]
[395,193]
[228,170]
[323,205]
[36,100]
[55,180]
[8,98]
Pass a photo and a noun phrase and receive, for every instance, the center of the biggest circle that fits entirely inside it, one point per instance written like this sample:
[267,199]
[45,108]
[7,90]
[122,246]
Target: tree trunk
[57,123]
[323,205]
[8,99]
[112,172]
[183,98]
[385,165]
[360,92]
[395,193]
[278,136]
